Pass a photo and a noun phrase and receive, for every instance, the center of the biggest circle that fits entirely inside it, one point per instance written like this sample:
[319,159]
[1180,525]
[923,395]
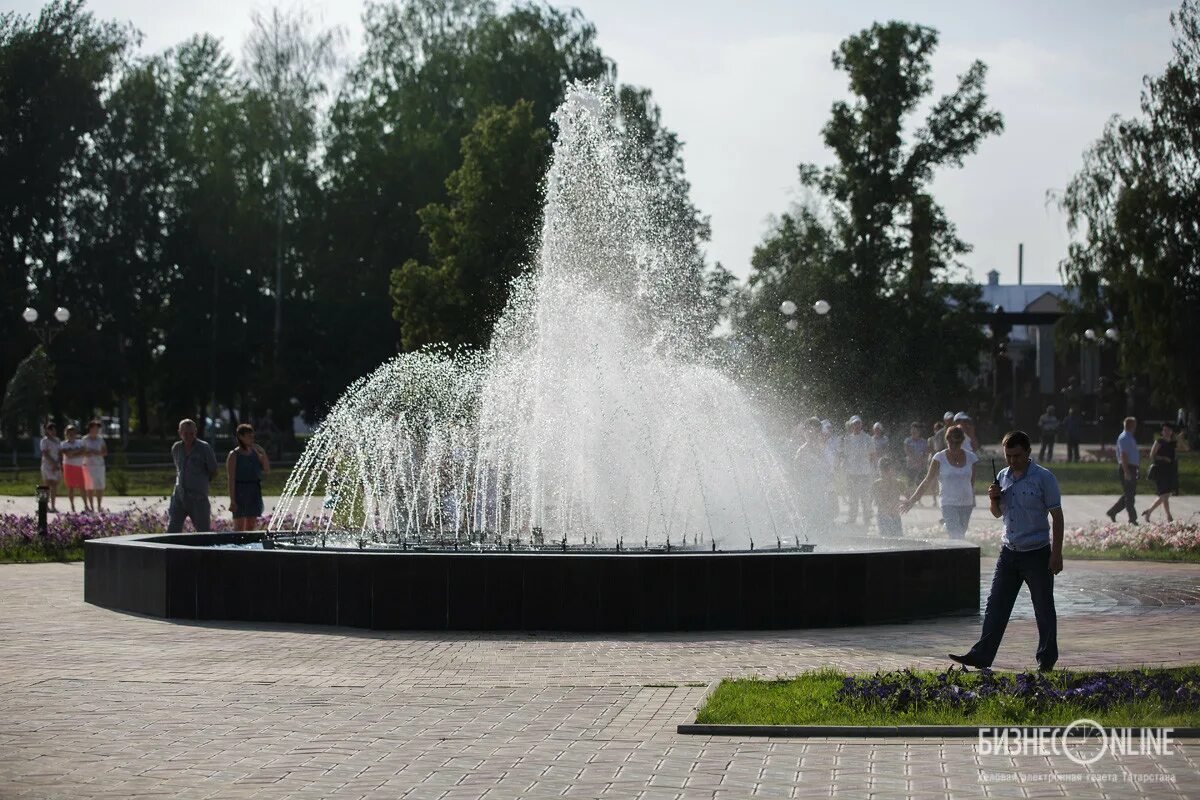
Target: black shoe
[1112,516]
[1133,522]
[967,661]
[1049,668]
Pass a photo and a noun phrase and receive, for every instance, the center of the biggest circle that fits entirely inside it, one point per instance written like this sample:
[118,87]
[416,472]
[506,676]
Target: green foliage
[810,698]
[53,69]
[482,240]
[1133,207]
[430,70]
[873,242]
[27,395]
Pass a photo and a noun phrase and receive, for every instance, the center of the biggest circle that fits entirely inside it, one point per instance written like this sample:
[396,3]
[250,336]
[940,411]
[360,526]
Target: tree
[286,62]
[429,70]
[482,240]
[121,281]
[1132,206]
[489,233]
[873,242]
[27,395]
[52,73]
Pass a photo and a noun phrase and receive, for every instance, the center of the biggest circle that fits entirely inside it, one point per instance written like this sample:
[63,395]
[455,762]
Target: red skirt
[73,475]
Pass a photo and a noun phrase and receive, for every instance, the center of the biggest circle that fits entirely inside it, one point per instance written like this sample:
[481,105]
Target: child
[889,492]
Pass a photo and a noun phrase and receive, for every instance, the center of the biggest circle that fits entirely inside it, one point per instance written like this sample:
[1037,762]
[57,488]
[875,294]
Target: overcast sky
[748,85]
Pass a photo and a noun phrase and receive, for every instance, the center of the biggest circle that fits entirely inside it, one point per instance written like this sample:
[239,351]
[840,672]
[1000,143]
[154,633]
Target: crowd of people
[79,464]
[76,462]
[863,470]
[858,470]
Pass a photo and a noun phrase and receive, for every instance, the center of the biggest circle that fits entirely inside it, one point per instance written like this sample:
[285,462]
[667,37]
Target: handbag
[1152,473]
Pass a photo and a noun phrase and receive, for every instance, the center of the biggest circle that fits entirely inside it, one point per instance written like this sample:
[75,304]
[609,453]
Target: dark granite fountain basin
[199,576]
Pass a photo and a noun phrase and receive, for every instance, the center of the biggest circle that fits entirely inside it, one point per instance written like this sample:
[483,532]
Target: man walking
[1048,425]
[1024,493]
[1129,461]
[195,467]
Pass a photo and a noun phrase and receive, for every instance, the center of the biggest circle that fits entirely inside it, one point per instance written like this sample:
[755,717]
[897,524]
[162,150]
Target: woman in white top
[954,471]
[94,451]
[72,456]
[51,448]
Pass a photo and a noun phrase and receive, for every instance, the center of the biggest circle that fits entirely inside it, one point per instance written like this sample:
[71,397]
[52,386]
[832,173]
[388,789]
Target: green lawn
[1101,478]
[38,555]
[810,699]
[148,482]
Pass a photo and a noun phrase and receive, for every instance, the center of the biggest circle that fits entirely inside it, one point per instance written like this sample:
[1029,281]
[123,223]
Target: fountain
[596,467]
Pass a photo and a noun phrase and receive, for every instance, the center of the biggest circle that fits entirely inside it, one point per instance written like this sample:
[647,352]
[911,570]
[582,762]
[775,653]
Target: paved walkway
[95,703]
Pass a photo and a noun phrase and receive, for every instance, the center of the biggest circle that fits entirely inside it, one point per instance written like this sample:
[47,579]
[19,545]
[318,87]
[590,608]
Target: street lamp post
[46,332]
[1110,336]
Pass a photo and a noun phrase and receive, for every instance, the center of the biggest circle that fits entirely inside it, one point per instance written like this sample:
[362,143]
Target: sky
[748,86]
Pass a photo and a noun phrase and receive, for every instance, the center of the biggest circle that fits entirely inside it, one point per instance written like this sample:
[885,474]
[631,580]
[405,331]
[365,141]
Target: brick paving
[95,703]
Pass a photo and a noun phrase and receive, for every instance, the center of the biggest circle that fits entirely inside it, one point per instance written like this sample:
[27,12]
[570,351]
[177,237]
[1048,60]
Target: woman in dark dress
[1165,469]
[245,467]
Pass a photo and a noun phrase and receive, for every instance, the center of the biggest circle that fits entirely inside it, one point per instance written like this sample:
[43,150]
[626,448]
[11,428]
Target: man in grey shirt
[195,467]
[1129,462]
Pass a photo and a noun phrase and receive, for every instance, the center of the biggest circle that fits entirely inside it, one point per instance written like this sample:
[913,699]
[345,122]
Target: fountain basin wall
[183,576]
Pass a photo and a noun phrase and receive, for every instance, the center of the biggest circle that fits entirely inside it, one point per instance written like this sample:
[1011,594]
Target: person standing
[1129,462]
[1164,471]
[72,457]
[879,445]
[831,449]
[889,494]
[1024,493]
[856,456]
[1074,430]
[51,447]
[963,420]
[1048,427]
[916,455]
[94,451]
[937,443]
[954,469]
[813,479]
[195,467]
[245,466]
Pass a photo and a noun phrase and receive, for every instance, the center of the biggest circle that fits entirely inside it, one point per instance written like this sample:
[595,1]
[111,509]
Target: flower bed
[1119,539]
[906,690]
[66,533]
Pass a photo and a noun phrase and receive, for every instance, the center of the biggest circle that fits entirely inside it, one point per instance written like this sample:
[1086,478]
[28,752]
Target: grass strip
[811,698]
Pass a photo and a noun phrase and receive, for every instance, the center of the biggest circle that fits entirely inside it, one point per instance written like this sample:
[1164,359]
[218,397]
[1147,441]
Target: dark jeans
[187,504]
[1072,449]
[1013,568]
[1046,452]
[1128,490]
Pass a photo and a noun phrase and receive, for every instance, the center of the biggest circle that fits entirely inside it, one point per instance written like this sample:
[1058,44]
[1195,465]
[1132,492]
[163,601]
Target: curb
[887,731]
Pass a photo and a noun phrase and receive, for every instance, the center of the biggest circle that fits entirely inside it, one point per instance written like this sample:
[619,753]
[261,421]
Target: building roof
[1025,297]
[1019,297]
